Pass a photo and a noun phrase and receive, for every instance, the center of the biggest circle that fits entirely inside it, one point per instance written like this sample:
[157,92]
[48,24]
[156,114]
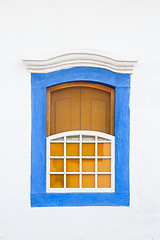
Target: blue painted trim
[90,74]
[38,140]
[39,83]
[79,199]
[122,139]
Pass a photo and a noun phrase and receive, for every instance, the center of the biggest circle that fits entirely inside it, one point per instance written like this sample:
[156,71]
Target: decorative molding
[80,59]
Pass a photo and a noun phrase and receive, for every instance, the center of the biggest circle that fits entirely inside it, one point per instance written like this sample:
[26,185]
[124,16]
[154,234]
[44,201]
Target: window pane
[102,139]
[103,181]
[88,138]
[72,180]
[72,149]
[72,138]
[56,165]
[88,165]
[104,165]
[104,149]
[72,165]
[57,181]
[56,149]
[58,139]
[88,181]
[88,149]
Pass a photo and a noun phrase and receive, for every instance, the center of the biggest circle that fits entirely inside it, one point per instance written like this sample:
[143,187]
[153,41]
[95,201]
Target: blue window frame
[39,84]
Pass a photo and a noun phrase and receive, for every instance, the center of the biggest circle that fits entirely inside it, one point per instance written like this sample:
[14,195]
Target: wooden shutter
[95,110]
[64,110]
[80,106]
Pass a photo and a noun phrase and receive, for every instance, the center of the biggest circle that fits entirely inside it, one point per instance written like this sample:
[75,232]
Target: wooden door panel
[99,115]
[95,110]
[65,110]
[62,111]
[80,106]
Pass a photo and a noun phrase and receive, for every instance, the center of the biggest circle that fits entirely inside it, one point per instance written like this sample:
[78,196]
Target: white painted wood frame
[107,139]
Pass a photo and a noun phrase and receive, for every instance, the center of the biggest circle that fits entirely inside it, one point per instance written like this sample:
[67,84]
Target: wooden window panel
[104,165]
[88,181]
[95,110]
[104,181]
[57,181]
[88,165]
[72,149]
[88,149]
[104,149]
[80,106]
[72,181]
[64,110]
[57,149]
[72,165]
[57,165]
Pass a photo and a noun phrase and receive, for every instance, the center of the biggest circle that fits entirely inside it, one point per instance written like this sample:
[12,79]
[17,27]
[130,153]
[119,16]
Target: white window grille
[84,148]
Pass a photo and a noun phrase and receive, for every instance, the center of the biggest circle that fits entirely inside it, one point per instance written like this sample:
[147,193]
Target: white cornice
[80,59]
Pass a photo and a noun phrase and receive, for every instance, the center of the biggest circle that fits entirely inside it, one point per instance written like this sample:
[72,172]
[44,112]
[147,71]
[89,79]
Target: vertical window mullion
[48,164]
[80,160]
[96,162]
[65,162]
[112,165]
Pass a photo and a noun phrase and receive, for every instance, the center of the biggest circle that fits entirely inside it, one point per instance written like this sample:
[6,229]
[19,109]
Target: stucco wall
[32,28]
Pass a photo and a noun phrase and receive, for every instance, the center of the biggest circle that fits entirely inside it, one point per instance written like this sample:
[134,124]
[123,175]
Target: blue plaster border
[39,84]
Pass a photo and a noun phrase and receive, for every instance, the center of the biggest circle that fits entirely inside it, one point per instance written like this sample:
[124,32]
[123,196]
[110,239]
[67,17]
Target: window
[83,178]
[80,161]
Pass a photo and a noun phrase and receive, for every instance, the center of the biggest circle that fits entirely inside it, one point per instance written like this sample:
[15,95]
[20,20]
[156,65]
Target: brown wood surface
[95,110]
[80,106]
[64,110]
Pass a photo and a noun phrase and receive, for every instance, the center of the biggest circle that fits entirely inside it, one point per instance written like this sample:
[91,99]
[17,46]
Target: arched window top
[87,136]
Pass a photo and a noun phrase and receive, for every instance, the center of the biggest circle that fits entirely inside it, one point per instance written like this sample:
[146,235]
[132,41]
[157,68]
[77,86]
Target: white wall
[40,28]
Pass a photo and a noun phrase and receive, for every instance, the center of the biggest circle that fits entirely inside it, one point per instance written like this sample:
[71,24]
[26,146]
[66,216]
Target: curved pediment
[80,59]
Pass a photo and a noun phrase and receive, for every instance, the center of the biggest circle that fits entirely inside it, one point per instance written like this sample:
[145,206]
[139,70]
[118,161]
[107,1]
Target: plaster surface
[41,28]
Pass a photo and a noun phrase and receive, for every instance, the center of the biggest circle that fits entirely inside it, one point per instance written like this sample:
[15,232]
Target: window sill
[79,199]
